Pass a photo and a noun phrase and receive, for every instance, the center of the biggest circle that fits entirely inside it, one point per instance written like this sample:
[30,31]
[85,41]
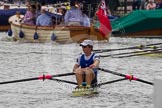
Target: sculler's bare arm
[95,64]
[76,66]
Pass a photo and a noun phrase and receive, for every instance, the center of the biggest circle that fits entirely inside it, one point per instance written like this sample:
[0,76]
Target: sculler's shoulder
[96,56]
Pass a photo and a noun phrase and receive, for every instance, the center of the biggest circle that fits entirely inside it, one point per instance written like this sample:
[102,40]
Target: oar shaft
[130,53]
[112,72]
[130,77]
[103,50]
[21,80]
[154,44]
[43,77]
[135,47]
[120,54]
[139,54]
[140,80]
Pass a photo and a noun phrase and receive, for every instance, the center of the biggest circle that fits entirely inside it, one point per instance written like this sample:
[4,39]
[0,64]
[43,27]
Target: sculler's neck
[88,54]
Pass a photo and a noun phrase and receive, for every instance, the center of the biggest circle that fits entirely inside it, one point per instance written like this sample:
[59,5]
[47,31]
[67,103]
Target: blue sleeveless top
[86,63]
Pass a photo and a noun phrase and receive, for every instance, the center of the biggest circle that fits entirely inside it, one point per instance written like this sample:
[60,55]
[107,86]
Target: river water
[20,60]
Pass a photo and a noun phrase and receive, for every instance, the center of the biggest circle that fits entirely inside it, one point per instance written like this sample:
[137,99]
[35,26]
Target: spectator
[143,4]
[59,10]
[30,15]
[158,4]
[151,5]
[73,16]
[44,19]
[136,4]
[38,9]
[68,6]
[110,16]
[85,21]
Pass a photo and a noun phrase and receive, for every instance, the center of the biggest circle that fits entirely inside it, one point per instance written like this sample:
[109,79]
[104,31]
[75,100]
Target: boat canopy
[138,20]
[5,14]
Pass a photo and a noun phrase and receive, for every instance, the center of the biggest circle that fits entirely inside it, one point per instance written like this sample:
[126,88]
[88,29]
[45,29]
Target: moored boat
[139,23]
[57,33]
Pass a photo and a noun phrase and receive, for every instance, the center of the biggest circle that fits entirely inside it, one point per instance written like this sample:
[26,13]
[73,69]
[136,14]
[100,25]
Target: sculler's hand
[75,70]
[92,66]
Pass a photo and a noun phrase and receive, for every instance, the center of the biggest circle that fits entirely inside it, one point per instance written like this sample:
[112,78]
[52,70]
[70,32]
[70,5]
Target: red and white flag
[105,25]
[103,6]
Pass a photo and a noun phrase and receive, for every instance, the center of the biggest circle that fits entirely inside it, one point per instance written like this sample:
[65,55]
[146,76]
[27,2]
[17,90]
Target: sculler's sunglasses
[86,46]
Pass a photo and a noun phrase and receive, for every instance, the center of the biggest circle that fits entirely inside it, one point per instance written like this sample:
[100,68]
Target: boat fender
[9,32]
[21,34]
[36,36]
[53,37]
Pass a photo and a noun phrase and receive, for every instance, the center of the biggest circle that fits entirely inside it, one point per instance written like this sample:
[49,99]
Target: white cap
[44,8]
[86,42]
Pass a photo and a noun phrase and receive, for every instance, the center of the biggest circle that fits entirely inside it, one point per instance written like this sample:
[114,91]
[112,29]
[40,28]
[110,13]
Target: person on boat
[59,10]
[73,16]
[109,15]
[68,6]
[136,4]
[86,66]
[158,4]
[38,9]
[86,20]
[44,19]
[30,15]
[1,3]
[151,5]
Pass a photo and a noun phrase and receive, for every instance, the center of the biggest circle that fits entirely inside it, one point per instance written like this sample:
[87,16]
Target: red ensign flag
[105,25]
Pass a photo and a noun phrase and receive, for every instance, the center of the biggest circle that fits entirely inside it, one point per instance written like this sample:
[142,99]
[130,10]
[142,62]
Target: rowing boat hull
[79,92]
[63,34]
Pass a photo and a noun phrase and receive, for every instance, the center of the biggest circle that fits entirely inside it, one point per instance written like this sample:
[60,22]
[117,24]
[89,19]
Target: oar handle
[65,81]
[43,77]
[60,75]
